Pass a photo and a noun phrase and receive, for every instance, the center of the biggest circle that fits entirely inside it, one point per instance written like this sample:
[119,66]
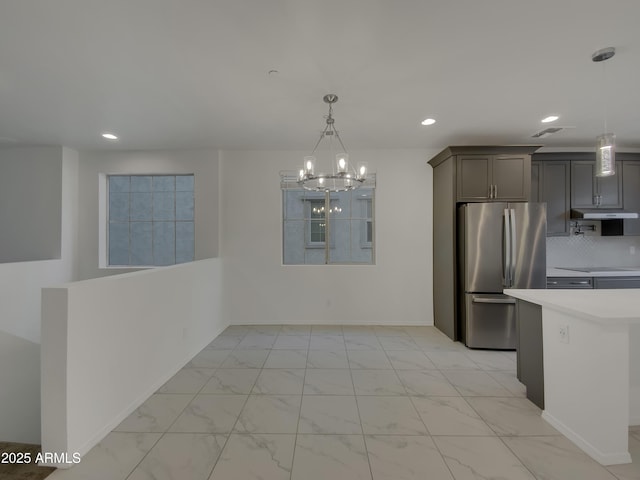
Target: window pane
[141,243]
[184,206]
[293,242]
[118,244]
[119,207]
[294,204]
[164,183]
[118,183]
[164,243]
[184,183]
[141,206]
[184,242]
[140,183]
[164,205]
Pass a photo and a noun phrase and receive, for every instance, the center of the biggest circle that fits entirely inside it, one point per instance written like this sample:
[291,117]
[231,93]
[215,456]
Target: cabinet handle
[584,282]
[490,191]
[495,191]
[552,283]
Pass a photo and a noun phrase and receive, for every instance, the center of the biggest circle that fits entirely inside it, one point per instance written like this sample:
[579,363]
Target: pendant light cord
[604,90]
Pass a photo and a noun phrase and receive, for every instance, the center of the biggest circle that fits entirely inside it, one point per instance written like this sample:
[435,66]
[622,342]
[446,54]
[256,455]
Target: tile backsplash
[593,251]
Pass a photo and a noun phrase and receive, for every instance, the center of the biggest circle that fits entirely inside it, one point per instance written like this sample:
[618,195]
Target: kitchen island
[591,355]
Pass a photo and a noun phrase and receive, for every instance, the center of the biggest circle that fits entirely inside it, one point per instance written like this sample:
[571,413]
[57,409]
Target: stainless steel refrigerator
[500,245]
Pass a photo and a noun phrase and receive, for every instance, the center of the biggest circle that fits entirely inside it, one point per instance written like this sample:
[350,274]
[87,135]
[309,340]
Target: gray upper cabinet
[493,177]
[536,166]
[631,195]
[589,191]
[555,184]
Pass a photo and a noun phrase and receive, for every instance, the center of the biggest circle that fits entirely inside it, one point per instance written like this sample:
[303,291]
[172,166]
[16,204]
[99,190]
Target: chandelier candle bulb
[362,170]
[309,165]
[342,161]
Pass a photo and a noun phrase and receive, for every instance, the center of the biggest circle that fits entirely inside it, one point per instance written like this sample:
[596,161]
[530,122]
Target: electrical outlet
[563,333]
[632,250]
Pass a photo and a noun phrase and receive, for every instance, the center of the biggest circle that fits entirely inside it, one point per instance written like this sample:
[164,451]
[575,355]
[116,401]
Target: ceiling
[251,74]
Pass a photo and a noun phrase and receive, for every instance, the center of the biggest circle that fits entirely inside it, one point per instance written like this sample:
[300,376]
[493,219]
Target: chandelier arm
[320,139]
[340,140]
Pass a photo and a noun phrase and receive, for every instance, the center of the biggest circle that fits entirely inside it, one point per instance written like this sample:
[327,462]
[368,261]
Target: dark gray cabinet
[536,166]
[493,177]
[551,183]
[530,368]
[631,195]
[589,191]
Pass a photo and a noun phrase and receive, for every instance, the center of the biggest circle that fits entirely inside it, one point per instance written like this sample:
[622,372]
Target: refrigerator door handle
[506,249]
[514,252]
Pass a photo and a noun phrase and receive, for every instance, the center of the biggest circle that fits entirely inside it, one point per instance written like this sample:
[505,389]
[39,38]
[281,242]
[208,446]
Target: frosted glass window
[150,220]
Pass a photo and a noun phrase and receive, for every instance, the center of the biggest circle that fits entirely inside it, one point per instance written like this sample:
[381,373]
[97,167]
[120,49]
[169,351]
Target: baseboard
[597,455]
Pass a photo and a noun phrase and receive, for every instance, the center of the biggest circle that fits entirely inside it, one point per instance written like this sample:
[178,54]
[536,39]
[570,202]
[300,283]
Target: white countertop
[602,306]
[560,272]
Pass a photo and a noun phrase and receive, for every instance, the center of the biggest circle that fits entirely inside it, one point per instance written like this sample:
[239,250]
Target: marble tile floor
[323,402]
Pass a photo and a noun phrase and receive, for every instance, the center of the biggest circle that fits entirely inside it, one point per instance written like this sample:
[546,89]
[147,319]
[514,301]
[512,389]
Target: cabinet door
[631,195]
[555,186]
[610,188]
[583,185]
[588,191]
[473,177]
[511,177]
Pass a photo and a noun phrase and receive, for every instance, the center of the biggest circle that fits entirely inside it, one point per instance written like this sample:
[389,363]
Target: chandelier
[342,176]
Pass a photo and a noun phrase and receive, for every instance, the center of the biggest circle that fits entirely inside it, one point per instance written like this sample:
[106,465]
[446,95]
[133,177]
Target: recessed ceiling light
[428,121]
[109,136]
[550,118]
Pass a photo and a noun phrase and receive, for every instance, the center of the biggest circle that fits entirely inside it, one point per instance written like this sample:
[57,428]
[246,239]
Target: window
[319,228]
[150,220]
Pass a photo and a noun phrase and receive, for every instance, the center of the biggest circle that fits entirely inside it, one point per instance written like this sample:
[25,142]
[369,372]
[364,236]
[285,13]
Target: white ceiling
[173,74]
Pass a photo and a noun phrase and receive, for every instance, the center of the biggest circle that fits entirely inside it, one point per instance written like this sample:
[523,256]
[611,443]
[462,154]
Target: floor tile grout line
[355,398]
[295,439]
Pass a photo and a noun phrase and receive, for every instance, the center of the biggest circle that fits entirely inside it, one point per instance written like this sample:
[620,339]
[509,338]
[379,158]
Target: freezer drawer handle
[493,300]
[583,282]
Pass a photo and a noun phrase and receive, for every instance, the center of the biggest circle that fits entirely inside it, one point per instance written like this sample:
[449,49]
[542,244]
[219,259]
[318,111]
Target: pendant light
[605,143]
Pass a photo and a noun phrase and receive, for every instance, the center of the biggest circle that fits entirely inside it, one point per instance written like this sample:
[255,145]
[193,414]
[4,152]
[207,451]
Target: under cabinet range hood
[600,214]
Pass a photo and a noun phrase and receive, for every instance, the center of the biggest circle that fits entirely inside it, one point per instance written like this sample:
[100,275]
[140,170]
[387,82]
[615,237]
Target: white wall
[259,289]
[202,163]
[20,294]
[30,206]
[109,343]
